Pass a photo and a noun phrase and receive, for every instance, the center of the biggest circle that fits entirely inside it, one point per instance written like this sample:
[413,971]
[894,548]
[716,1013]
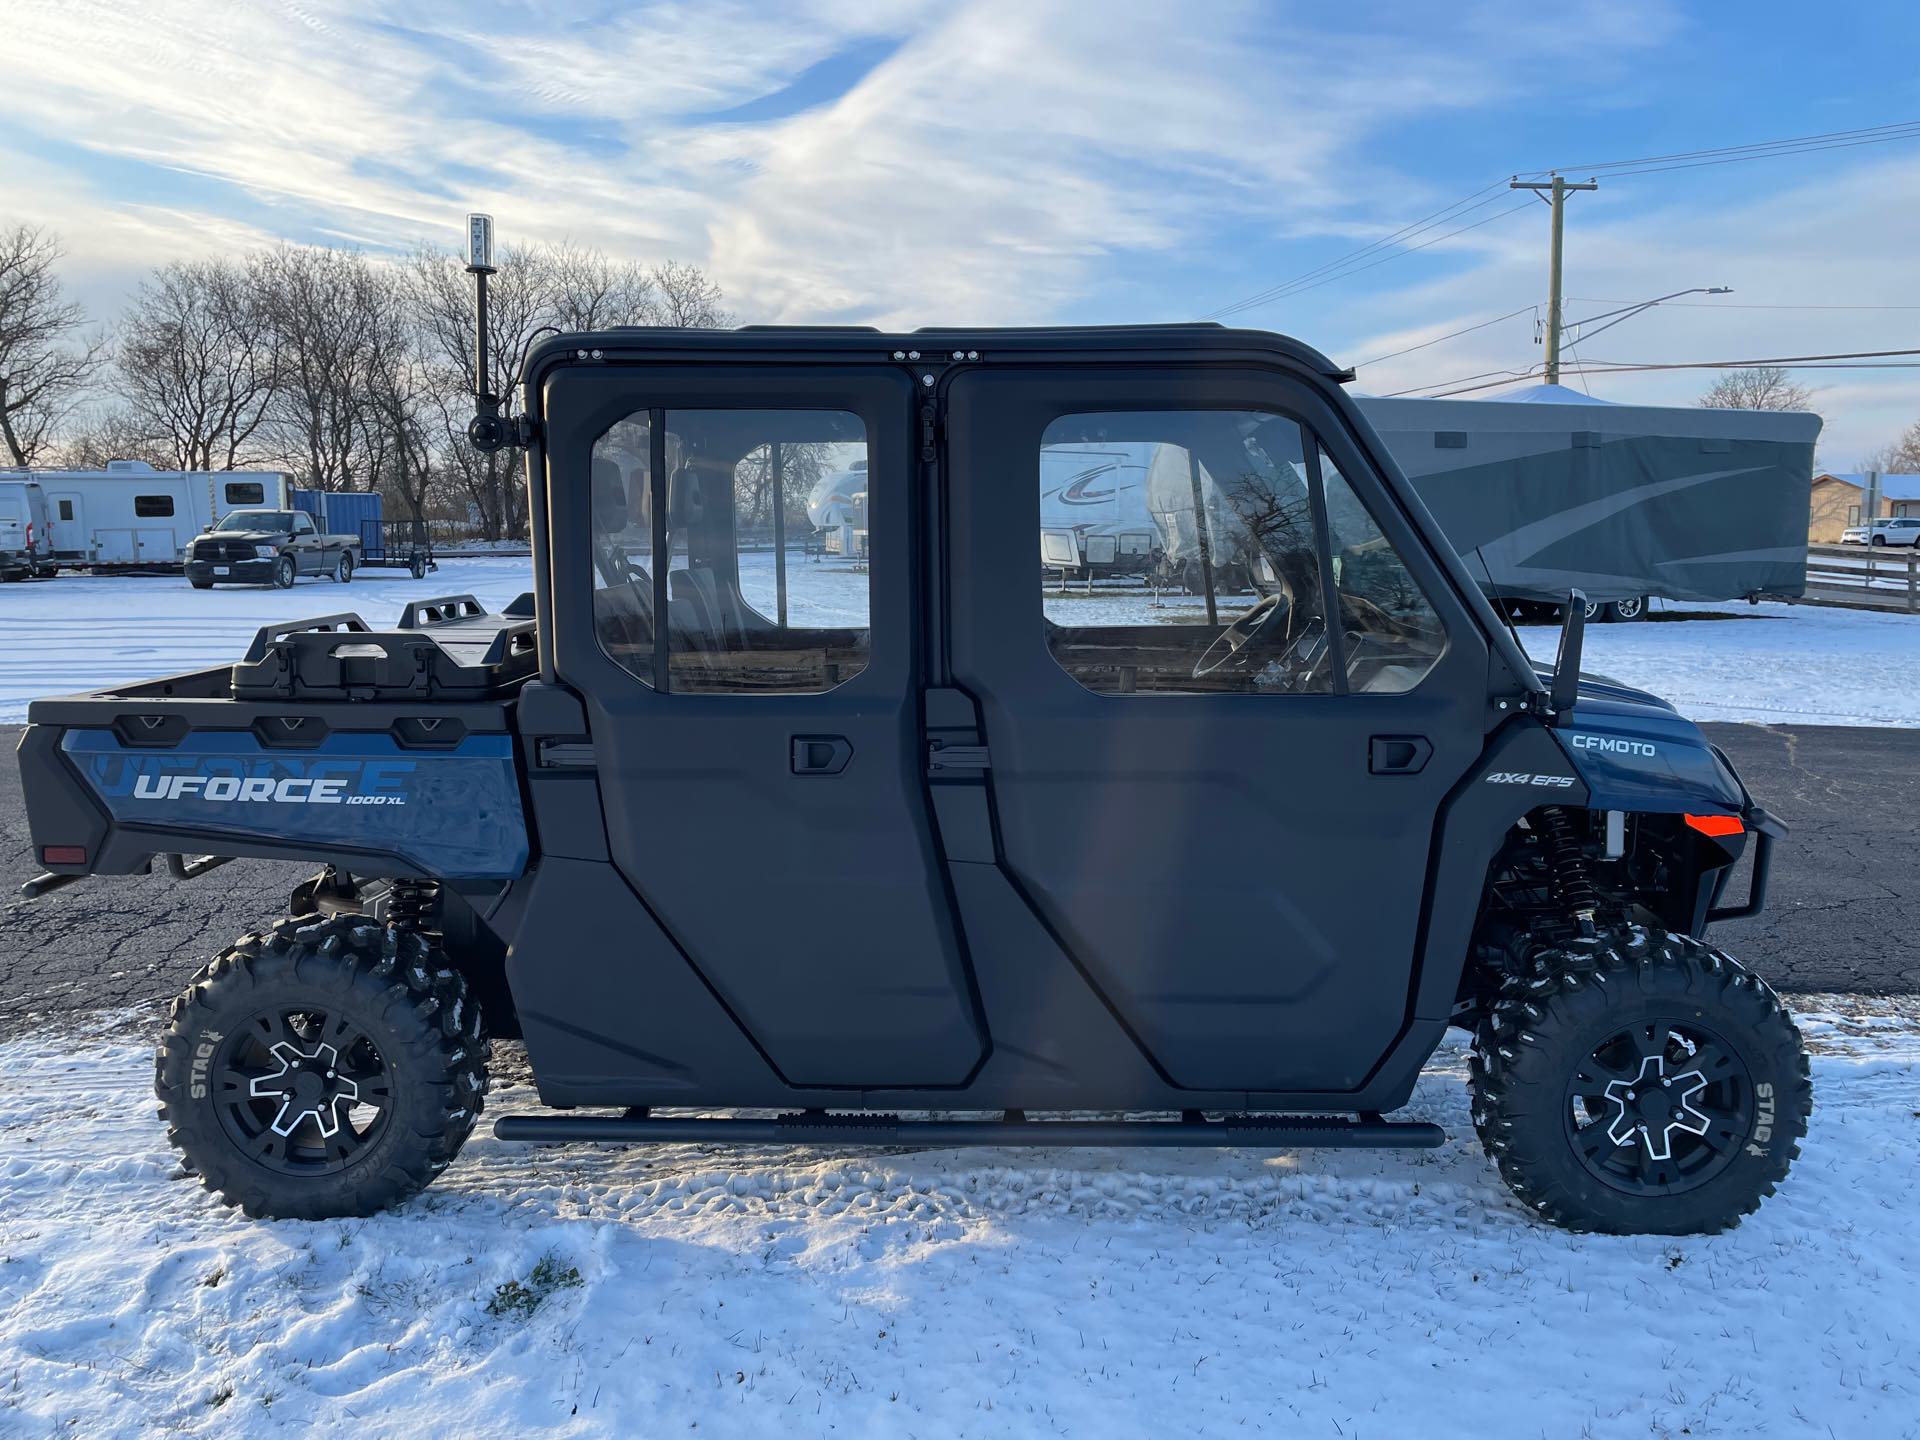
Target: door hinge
[942,756]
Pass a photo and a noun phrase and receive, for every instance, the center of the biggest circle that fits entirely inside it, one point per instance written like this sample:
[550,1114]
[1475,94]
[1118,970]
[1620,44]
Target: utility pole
[1558,187]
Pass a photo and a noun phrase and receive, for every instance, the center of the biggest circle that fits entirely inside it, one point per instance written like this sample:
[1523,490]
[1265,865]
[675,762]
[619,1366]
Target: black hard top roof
[939,343]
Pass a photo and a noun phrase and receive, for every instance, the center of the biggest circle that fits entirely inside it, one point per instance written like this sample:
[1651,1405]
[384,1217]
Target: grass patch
[521,1299]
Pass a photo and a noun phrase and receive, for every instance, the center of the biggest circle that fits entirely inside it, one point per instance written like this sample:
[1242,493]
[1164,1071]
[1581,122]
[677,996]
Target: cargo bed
[327,739]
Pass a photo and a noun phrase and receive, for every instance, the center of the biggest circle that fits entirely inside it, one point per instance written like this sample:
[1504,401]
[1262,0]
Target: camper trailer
[837,507]
[1545,490]
[132,516]
[1095,516]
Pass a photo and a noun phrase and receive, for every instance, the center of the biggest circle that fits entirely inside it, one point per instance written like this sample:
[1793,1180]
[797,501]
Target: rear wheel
[332,1068]
[1634,608]
[1640,1083]
[343,567]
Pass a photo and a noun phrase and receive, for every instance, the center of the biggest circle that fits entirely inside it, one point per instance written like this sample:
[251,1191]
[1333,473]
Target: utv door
[759,748]
[1232,843]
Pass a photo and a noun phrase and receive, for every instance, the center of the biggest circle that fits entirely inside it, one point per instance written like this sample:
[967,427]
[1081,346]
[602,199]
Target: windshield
[257,520]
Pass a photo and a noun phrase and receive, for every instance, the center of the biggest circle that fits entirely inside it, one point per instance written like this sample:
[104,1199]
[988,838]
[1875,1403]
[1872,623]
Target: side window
[1178,554]
[1197,552]
[246,492]
[761,517]
[1390,636]
[301,524]
[153,507]
[66,509]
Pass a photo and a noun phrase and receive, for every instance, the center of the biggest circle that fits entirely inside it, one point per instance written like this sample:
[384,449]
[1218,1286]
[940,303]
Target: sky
[1032,161]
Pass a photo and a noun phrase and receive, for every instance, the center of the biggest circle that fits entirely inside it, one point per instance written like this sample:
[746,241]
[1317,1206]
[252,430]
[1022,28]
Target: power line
[1730,305]
[1452,335]
[1295,287]
[1345,266]
[1874,360]
[1830,139]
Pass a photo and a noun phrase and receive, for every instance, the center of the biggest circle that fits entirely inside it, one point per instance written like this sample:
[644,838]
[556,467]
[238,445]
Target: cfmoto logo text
[1612,744]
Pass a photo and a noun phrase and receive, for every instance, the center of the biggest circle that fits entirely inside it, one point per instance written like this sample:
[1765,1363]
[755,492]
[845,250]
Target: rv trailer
[1548,490]
[131,516]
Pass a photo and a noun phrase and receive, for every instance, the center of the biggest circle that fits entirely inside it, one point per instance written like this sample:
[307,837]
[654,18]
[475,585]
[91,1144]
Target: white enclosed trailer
[132,515]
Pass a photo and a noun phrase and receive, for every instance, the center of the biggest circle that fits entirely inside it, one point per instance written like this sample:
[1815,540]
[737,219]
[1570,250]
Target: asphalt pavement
[1844,913]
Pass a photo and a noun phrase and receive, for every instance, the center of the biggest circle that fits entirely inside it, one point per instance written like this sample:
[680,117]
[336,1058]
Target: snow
[1770,663]
[1110,1293]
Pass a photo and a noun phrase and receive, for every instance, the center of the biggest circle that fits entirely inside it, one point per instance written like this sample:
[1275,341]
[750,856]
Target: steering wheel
[1234,647]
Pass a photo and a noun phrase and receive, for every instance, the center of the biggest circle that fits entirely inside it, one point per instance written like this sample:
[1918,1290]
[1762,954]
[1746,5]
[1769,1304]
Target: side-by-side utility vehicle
[910,847]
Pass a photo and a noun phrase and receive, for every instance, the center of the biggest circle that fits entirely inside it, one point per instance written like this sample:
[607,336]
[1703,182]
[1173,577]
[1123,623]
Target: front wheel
[284,572]
[1878,540]
[201,584]
[1640,1083]
[332,1068]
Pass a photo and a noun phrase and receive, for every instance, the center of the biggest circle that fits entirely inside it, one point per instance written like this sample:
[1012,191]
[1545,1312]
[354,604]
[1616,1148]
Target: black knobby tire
[285,572]
[1546,1037]
[425,1057]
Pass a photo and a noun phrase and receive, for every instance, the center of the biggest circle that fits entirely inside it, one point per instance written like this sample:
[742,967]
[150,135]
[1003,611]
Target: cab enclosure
[724,816]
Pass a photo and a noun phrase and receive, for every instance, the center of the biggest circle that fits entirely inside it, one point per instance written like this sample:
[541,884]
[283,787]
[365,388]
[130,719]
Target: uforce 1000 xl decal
[360,792]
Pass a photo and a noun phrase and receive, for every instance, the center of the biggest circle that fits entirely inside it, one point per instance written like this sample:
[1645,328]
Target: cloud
[982,161]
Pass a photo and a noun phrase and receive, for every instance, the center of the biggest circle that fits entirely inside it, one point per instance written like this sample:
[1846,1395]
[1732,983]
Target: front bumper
[240,572]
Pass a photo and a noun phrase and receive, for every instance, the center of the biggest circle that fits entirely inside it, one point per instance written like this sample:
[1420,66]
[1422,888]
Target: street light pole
[1558,187]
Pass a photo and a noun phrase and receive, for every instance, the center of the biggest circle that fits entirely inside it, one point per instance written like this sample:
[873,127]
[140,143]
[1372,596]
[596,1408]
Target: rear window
[153,507]
[246,492]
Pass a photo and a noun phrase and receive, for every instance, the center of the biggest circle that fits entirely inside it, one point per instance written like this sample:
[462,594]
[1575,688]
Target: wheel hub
[308,1085]
[1654,1106]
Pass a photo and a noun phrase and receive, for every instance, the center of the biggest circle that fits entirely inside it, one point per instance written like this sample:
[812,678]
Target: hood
[244,536]
[1635,752]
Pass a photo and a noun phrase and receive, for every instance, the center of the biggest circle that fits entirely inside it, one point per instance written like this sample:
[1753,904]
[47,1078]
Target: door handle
[820,754]
[1398,754]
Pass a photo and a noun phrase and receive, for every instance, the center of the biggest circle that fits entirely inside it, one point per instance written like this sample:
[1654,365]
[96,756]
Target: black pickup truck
[269,547]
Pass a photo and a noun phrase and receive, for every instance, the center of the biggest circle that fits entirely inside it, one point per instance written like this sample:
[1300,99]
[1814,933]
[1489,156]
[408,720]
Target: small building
[1840,501]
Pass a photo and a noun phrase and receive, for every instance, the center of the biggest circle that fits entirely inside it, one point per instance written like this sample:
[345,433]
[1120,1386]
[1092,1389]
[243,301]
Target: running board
[1296,1132]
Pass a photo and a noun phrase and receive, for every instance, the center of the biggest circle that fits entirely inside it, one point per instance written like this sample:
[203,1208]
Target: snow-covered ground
[1106,1293]
[1762,663]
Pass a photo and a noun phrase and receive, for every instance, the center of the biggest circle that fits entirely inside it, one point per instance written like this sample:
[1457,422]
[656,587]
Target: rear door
[1232,842]
[758,747]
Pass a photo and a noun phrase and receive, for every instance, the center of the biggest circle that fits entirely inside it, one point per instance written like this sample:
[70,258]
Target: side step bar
[1295,1132]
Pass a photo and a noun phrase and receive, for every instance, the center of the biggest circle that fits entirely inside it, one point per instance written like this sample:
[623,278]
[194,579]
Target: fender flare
[1468,831]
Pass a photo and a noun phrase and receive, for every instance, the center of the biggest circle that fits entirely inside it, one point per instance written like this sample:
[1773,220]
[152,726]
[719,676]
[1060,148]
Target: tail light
[63,854]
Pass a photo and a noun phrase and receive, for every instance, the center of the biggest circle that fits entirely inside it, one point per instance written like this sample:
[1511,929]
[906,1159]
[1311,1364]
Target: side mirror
[1566,666]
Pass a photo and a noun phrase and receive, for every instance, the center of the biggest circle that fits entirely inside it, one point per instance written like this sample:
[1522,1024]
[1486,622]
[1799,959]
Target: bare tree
[97,439]
[322,308]
[1900,458]
[43,360]
[1762,387]
[686,295]
[199,362]
[584,290]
